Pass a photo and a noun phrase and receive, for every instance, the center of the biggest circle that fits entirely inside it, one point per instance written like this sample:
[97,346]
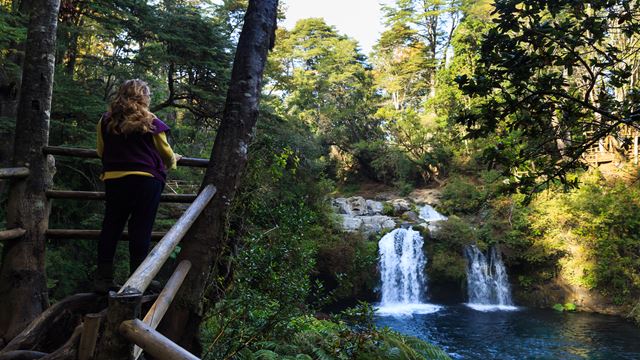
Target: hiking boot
[103,279]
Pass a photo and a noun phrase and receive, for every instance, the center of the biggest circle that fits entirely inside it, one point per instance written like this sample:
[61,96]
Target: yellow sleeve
[163,147]
[99,140]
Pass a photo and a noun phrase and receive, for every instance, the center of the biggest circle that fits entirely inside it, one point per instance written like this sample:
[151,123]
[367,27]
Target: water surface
[466,333]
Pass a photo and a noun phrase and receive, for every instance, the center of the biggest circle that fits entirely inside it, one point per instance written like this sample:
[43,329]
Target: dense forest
[501,106]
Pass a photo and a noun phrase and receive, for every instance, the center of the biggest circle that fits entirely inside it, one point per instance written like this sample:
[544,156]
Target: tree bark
[206,242]
[23,286]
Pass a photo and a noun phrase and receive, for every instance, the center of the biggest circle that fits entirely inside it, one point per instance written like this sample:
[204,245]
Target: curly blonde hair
[129,109]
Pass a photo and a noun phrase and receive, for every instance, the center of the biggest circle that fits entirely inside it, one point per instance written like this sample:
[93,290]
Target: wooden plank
[143,275]
[12,173]
[99,195]
[12,234]
[92,154]
[92,234]
[89,336]
[153,342]
[161,305]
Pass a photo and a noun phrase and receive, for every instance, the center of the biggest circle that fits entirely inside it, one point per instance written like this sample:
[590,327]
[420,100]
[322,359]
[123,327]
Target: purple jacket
[133,152]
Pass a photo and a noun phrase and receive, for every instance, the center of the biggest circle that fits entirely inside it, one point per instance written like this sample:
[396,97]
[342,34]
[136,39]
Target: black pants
[134,198]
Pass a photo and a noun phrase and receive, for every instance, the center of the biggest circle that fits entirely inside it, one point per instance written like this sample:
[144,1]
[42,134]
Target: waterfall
[402,263]
[431,216]
[487,281]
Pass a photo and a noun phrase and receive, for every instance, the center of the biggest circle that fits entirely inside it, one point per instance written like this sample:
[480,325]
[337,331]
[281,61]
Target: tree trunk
[206,243]
[23,286]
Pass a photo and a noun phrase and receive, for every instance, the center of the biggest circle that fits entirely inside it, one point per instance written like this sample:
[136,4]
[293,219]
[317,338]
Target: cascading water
[487,281]
[402,263]
[431,216]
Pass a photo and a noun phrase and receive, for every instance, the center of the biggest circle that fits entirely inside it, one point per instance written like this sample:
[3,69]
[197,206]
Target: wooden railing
[124,305]
[92,154]
[122,328]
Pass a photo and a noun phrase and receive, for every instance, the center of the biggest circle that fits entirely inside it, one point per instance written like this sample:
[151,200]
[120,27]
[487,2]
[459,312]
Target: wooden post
[143,275]
[161,305]
[153,342]
[89,336]
[112,344]
[17,172]
[11,234]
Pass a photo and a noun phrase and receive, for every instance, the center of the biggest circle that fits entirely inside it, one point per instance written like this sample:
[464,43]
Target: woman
[132,143]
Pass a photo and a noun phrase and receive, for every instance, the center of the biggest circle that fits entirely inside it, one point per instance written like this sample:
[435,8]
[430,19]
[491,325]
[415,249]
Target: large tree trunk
[23,286]
[206,242]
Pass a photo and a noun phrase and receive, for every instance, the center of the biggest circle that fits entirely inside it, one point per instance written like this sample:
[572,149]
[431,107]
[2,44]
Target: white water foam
[406,309]
[490,308]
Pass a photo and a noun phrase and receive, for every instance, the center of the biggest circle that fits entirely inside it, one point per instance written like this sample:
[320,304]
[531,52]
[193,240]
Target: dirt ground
[381,192]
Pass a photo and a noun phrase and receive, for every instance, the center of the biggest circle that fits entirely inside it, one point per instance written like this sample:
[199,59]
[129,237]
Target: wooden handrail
[164,300]
[91,234]
[92,154]
[151,265]
[11,234]
[16,172]
[99,195]
[153,342]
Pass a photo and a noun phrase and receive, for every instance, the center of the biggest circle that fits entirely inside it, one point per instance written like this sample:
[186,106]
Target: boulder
[374,207]
[357,206]
[410,216]
[400,205]
[351,223]
[376,223]
[340,206]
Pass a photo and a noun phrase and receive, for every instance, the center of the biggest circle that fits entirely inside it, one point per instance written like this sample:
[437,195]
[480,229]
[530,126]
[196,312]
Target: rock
[340,206]
[389,224]
[374,207]
[375,223]
[400,205]
[351,223]
[410,216]
[357,205]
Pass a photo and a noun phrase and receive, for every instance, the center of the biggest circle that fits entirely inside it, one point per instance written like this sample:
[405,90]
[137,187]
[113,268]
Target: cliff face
[559,292]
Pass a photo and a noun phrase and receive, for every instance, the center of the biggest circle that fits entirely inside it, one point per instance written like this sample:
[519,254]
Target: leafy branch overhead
[553,78]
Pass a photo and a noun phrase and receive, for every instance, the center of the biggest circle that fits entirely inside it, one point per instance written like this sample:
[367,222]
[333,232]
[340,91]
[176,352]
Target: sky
[359,19]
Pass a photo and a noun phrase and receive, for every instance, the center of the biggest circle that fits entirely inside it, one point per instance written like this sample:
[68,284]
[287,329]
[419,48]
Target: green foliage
[388,209]
[346,265]
[446,266]
[461,197]
[545,70]
[322,339]
[566,307]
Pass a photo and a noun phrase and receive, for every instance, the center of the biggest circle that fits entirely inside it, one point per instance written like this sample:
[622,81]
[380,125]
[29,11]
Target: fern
[265,354]
[321,354]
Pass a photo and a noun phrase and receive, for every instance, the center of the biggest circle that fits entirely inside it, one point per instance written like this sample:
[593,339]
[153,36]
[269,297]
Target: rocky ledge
[371,216]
